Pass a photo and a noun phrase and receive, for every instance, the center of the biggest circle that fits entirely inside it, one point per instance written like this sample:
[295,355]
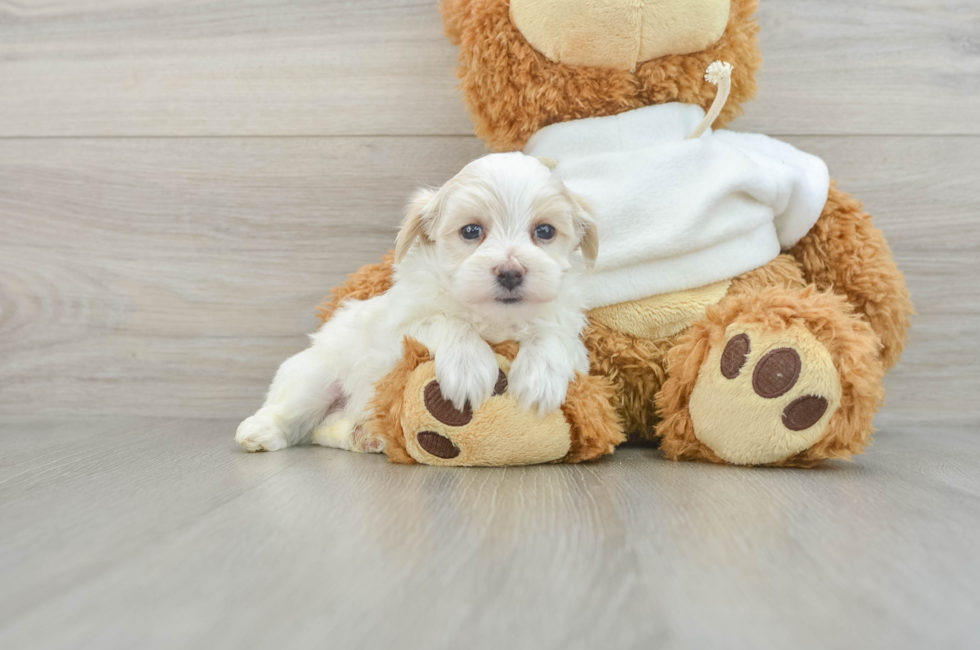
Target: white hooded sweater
[677,214]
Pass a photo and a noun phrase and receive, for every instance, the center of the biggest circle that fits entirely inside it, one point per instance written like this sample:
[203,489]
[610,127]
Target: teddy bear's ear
[413,227]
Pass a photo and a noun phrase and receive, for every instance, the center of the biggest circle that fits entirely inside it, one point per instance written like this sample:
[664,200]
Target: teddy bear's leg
[777,376]
[846,254]
[635,367]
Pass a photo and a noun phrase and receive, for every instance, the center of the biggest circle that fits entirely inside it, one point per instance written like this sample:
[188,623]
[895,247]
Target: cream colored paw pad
[764,395]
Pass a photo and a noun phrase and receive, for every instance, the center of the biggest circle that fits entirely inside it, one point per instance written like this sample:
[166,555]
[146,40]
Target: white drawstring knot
[720,74]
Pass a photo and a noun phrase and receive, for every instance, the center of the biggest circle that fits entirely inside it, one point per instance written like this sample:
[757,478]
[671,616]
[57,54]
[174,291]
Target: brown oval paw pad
[501,386]
[804,412]
[437,445]
[443,410]
[735,355]
[776,373]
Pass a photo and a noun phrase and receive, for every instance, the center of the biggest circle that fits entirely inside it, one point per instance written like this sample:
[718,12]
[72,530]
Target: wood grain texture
[863,68]
[383,67]
[171,277]
[140,533]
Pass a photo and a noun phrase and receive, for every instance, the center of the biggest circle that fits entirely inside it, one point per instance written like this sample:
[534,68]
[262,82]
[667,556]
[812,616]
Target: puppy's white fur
[447,293]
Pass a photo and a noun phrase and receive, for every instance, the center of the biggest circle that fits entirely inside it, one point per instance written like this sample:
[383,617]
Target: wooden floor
[180,182]
[149,532]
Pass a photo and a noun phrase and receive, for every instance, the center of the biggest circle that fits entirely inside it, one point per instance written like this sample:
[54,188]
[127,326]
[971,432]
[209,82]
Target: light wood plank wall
[181,182]
[383,67]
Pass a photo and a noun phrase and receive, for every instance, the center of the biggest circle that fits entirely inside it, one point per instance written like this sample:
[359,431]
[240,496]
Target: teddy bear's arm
[367,282]
[846,254]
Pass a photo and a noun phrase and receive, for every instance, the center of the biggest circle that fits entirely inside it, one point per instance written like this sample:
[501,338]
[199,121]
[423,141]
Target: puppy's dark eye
[545,232]
[471,231]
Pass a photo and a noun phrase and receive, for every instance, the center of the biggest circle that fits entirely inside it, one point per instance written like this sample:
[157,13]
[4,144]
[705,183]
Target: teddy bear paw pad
[437,445]
[804,412]
[765,395]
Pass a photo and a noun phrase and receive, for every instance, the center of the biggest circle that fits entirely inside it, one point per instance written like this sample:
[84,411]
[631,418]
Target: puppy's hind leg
[343,431]
[345,426]
[303,392]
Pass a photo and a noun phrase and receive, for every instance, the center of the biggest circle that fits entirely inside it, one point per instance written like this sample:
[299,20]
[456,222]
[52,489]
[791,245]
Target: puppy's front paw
[538,382]
[467,374]
[261,433]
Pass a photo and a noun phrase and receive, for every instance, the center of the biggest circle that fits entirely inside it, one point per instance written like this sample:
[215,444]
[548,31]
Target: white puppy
[488,257]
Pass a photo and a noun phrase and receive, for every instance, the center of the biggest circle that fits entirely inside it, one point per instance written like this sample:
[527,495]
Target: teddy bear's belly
[660,317]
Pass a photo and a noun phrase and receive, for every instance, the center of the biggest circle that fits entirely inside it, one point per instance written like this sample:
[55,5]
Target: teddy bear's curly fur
[512,90]
[837,291]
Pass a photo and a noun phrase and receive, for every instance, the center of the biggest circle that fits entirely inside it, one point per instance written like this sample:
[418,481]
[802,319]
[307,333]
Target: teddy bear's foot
[499,433]
[765,396]
[785,377]
[418,425]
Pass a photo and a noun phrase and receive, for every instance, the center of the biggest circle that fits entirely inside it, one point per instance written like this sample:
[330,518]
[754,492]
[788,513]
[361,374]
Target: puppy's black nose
[509,280]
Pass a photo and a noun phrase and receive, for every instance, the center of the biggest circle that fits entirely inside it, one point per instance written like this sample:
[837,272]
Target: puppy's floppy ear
[590,239]
[413,227]
[586,226]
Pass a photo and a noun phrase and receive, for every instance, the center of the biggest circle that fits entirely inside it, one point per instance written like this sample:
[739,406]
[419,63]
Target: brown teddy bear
[780,363]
